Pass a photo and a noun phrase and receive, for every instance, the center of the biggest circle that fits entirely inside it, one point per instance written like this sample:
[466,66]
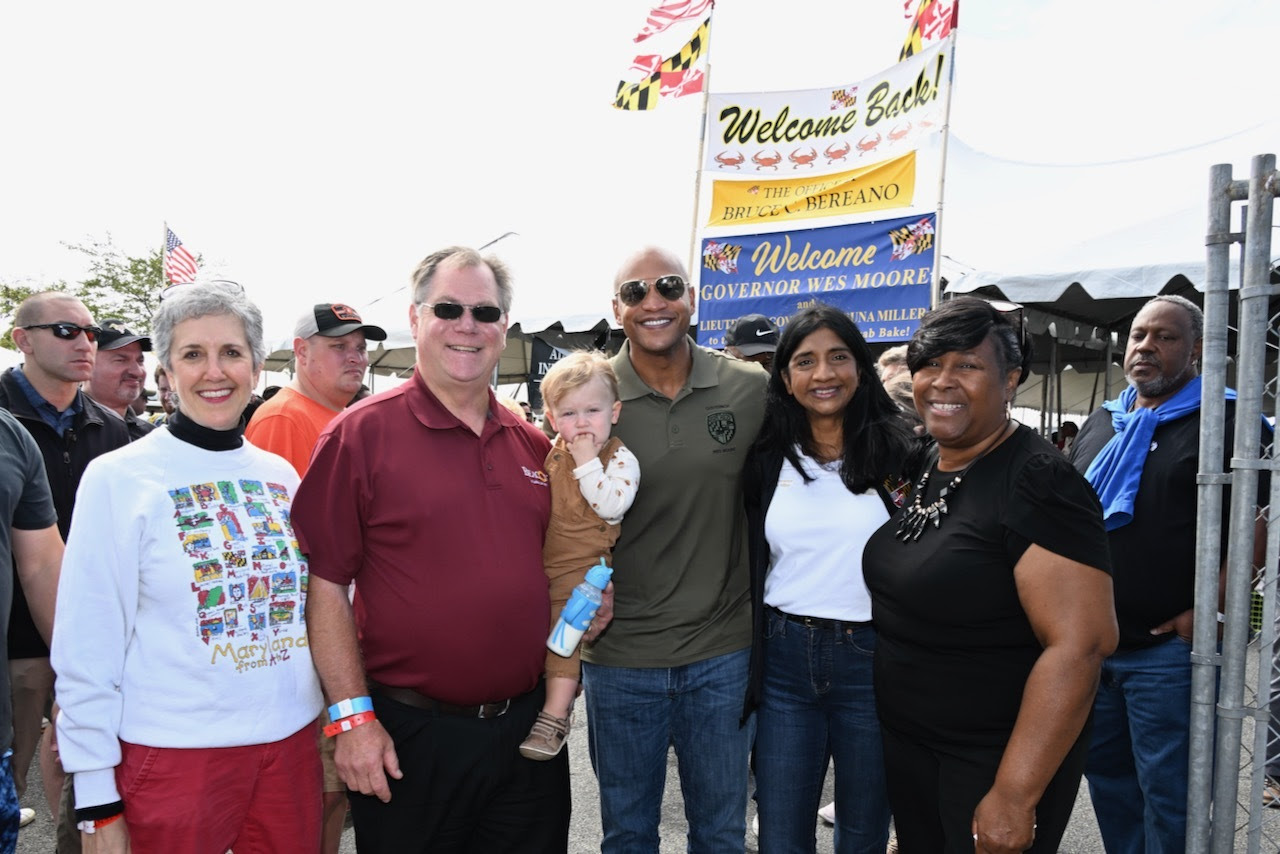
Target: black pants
[466,788]
[933,791]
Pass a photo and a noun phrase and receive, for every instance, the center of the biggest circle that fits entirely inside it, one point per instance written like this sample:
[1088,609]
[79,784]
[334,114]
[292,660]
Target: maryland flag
[933,20]
[675,76]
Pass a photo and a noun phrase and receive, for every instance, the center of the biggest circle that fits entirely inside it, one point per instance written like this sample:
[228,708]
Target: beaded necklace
[917,516]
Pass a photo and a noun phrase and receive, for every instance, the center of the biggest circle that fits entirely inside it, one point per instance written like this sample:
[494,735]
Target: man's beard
[1163,384]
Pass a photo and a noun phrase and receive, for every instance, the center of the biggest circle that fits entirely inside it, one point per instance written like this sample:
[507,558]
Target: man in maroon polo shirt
[432,499]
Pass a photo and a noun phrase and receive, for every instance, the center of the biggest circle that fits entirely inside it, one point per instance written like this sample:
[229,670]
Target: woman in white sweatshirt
[187,694]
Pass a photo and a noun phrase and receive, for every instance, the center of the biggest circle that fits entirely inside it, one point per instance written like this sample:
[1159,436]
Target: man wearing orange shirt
[330,358]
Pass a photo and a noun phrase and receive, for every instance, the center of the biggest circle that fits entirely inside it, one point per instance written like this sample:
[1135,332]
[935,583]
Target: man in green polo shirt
[671,668]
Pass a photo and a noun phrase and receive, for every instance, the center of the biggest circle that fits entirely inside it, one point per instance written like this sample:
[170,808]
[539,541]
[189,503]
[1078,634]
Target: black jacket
[760,475]
[93,433]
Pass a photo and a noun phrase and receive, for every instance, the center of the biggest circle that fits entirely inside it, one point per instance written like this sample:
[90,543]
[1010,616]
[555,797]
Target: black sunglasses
[634,292]
[68,331]
[453,310]
[1004,307]
[1007,308]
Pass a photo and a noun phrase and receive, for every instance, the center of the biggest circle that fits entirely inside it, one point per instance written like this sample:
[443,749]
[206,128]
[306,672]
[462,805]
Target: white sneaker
[828,813]
[26,815]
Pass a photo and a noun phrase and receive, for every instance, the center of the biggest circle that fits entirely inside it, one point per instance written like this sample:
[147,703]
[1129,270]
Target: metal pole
[1204,657]
[935,284]
[1250,363]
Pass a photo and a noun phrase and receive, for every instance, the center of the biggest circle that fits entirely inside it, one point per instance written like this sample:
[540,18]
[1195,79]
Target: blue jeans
[8,806]
[818,704]
[634,714]
[1137,765]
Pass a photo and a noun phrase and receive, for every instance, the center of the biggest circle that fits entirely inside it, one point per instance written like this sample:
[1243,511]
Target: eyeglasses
[68,331]
[453,310]
[179,287]
[633,292]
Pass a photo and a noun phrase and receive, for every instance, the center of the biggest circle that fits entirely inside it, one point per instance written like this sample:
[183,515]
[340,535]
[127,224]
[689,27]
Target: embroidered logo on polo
[722,426]
[249,581]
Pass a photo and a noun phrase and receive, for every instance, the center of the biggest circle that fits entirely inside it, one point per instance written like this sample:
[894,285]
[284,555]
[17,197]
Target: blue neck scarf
[1117,469]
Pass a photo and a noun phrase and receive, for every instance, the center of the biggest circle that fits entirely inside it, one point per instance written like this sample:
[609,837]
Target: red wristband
[348,723]
[97,824]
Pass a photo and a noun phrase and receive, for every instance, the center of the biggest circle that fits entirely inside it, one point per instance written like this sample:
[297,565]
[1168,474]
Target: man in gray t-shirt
[31,541]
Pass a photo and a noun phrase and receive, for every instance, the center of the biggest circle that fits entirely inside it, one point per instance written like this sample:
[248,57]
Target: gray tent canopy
[1079,321]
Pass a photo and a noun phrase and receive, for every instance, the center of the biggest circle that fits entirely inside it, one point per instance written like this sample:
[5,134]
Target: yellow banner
[880,186]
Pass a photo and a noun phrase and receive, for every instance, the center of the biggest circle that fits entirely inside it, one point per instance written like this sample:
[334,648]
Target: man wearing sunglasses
[58,340]
[432,498]
[671,668]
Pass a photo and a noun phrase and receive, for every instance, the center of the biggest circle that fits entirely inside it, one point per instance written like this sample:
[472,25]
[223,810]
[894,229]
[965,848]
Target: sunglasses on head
[634,292]
[181,287]
[453,310]
[1007,308]
[68,331]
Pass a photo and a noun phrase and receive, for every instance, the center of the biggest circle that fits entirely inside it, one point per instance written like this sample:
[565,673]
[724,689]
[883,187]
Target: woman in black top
[992,597]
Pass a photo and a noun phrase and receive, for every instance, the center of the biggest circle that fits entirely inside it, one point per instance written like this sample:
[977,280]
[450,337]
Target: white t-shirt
[816,533]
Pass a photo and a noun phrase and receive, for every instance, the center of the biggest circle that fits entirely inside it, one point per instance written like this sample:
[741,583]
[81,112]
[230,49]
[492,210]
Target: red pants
[261,798]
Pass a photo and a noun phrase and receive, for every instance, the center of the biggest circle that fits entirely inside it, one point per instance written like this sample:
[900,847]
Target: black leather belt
[819,622]
[410,697]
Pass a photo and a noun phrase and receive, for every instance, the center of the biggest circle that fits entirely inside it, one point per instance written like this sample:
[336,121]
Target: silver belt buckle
[506,706]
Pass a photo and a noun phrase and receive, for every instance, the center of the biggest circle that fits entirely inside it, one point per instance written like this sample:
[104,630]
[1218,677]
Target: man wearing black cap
[753,338]
[119,374]
[330,357]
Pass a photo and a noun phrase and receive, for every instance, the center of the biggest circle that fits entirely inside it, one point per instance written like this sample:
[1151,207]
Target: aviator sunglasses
[68,331]
[453,310]
[633,292]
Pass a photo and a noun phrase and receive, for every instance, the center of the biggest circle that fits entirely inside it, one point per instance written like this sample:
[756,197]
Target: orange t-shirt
[289,424]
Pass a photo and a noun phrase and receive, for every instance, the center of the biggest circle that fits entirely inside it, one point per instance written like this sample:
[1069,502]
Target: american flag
[673,13]
[179,264]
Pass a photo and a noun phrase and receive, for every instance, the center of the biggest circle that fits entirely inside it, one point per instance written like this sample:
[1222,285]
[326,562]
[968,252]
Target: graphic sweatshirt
[181,614]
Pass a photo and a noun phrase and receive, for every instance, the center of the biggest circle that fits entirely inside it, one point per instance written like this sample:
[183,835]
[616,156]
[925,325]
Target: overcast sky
[315,152]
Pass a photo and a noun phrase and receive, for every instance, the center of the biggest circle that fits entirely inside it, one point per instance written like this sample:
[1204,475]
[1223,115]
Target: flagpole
[702,141]
[935,295]
[164,246]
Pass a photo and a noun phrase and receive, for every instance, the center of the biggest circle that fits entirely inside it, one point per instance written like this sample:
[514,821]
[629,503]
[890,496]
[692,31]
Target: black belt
[410,697]
[819,622]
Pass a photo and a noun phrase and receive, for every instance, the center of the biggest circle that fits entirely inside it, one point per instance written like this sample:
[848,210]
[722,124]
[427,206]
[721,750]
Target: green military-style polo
[680,565]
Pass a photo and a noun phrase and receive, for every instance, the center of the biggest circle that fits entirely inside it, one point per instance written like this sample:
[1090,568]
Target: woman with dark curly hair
[822,477]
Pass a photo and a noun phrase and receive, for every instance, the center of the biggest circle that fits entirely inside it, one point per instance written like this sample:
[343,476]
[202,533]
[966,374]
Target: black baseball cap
[115,335]
[753,334]
[333,320]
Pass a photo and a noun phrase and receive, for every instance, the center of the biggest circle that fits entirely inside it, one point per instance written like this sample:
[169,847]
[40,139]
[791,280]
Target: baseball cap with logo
[333,320]
[115,335]
[753,334]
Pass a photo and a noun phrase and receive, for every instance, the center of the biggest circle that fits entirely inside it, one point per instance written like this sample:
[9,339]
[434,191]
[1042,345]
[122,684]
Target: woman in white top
[188,698]
[825,473]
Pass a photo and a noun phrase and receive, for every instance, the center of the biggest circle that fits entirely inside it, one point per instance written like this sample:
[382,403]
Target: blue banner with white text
[878,272]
